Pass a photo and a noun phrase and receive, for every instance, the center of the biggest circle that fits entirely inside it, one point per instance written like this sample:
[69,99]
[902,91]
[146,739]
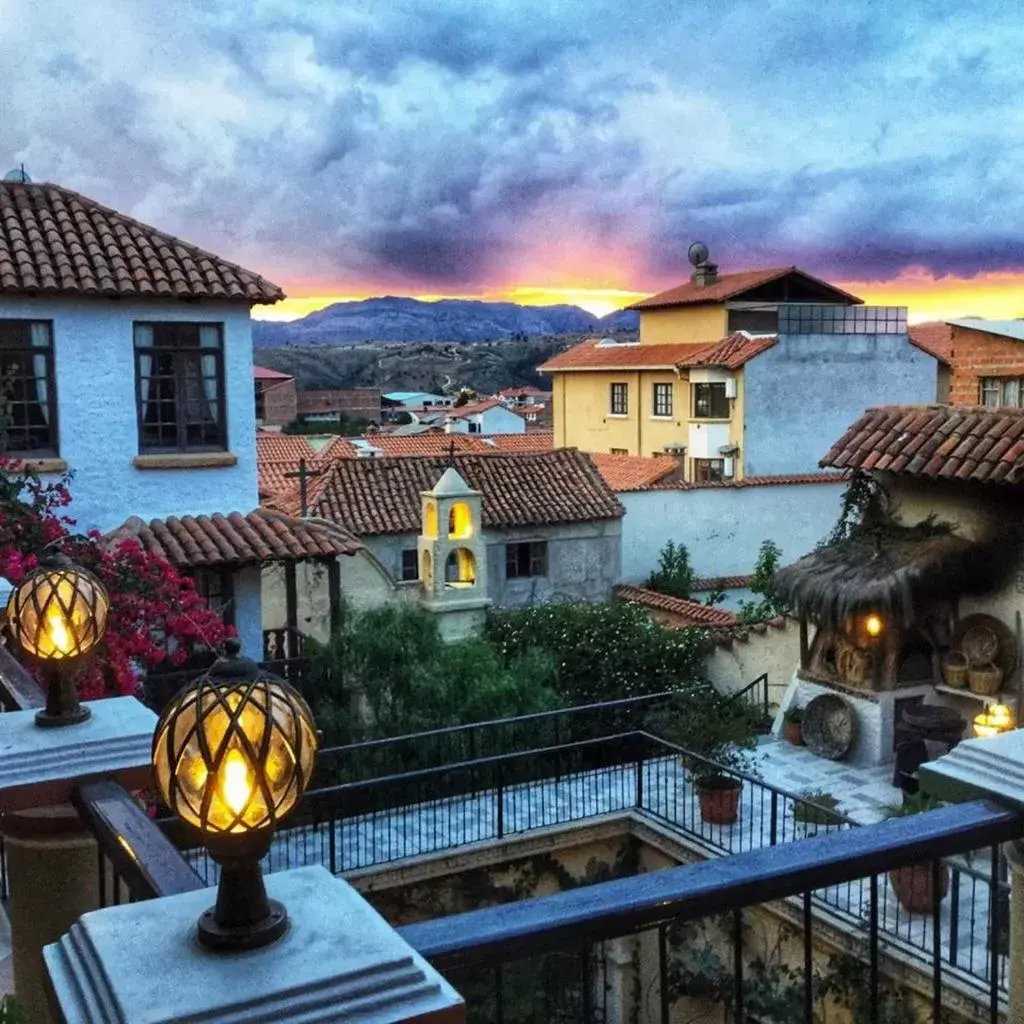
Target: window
[706,471]
[1002,391]
[28,399]
[528,559]
[179,377]
[410,564]
[709,402]
[619,399]
[261,405]
[474,426]
[217,589]
[620,451]
[662,399]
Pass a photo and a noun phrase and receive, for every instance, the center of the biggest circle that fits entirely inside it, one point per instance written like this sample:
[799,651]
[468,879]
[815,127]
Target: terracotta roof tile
[753,481]
[729,286]
[633,472]
[935,338]
[721,583]
[732,352]
[948,442]
[264,535]
[56,241]
[381,496]
[591,355]
[692,612]
[531,441]
[263,373]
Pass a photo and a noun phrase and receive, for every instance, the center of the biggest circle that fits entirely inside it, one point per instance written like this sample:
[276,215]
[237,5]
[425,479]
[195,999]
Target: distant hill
[393,319]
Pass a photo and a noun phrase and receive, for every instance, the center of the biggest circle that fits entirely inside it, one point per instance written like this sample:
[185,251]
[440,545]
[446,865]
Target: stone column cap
[41,766]
[140,963]
[991,768]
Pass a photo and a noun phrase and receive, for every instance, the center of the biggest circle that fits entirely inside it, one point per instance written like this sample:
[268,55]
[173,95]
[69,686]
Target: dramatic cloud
[456,145]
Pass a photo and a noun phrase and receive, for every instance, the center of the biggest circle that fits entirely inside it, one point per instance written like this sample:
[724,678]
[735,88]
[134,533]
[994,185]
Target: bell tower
[453,555]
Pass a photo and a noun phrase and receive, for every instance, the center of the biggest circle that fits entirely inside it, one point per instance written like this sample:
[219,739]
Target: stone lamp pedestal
[140,963]
[52,863]
[991,768]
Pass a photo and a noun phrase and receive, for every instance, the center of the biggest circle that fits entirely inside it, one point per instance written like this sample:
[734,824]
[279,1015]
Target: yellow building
[679,390]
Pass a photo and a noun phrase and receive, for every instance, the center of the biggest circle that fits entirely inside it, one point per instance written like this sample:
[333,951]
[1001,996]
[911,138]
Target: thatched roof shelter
[895,576]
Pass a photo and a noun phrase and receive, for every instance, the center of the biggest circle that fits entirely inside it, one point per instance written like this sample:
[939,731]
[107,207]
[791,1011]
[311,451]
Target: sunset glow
[992,295]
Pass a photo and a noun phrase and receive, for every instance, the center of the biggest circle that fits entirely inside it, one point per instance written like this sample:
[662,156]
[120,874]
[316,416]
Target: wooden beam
[291,596]
[334,591]
[18,690]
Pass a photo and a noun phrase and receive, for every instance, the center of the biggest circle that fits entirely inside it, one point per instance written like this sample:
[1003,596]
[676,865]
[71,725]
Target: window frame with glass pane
[410,565]
[164,425]
[705,472]
[217,588]
[662,400]
[1001,392]
[526,559]
[618,398]
[709,403]
[27,366]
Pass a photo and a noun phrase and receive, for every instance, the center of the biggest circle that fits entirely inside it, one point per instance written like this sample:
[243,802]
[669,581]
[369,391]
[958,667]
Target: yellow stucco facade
[679,325]
[582,399]
[583,418]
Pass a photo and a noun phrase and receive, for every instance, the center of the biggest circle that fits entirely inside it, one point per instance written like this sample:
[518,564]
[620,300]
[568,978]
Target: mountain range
[395,319]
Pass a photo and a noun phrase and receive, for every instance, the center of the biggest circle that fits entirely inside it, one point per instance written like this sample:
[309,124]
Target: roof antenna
[450,461]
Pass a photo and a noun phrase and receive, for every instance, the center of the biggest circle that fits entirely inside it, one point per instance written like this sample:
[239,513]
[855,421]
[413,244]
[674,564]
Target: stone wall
[723,526]
[769,647]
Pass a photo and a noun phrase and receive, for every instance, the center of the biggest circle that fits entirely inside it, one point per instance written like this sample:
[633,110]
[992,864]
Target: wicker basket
[954,669]
[985,680]
[980,644]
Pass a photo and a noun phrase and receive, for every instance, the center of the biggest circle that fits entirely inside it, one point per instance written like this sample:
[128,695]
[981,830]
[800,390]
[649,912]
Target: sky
[542,150]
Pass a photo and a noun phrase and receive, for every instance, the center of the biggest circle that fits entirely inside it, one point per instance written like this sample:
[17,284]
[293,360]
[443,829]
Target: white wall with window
[149,404]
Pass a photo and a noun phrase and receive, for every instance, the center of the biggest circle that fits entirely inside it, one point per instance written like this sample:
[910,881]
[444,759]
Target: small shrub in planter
[718,735]
[793,726]
[820,809]
[914,884]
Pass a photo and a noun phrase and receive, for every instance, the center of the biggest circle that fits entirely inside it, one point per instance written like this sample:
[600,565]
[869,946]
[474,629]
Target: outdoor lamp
[233,753]
[58,613]
[996,718]
[873,625]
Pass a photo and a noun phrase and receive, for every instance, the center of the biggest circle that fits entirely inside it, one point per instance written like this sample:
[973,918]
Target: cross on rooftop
[303,475]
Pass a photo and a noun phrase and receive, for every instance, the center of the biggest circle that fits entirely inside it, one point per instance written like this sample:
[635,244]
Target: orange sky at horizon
[996,295]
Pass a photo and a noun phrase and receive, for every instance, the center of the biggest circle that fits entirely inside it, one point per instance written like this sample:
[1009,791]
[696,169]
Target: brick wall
[279,402]
[354,403]
[977,354]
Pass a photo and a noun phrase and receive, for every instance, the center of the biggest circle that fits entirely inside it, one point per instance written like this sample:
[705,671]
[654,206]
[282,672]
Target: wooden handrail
[18,690]
[141,854]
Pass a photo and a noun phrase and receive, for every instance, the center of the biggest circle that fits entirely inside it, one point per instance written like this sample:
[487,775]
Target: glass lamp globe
[233,753]
[57,614]
[58,611]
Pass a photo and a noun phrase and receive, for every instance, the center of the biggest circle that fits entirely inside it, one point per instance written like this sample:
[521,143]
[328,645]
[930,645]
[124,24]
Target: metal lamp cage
[58,611]
[233,756]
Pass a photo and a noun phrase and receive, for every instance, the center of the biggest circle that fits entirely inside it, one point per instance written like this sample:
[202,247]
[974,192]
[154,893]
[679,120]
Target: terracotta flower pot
[794,733]
[913,886]
[719,799]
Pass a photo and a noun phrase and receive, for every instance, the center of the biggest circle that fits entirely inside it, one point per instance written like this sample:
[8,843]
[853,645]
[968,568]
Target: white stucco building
[488,417]
[126,359]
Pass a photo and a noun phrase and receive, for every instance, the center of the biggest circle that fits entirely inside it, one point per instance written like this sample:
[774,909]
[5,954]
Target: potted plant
[914,883]
[814,809]
[793,726]
[716,735]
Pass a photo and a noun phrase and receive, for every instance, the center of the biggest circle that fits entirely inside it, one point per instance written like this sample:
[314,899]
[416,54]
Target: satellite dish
[697,253]
[19,174]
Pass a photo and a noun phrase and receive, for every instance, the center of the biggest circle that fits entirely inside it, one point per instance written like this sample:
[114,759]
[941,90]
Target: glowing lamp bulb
[236,787]
[57,633]
[873,625]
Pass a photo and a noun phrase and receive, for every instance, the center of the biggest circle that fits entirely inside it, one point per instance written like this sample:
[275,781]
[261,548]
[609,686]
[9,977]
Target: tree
[155,618]
[762,582]
[674,575]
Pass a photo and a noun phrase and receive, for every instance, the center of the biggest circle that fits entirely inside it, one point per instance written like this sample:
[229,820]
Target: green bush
[769,604]
[601,651]
[387,671]
[674,575]
[820,808]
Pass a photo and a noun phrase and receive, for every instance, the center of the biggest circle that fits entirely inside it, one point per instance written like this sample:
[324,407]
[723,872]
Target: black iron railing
[649,907]
[456,744]
[285,651]
[755,696]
